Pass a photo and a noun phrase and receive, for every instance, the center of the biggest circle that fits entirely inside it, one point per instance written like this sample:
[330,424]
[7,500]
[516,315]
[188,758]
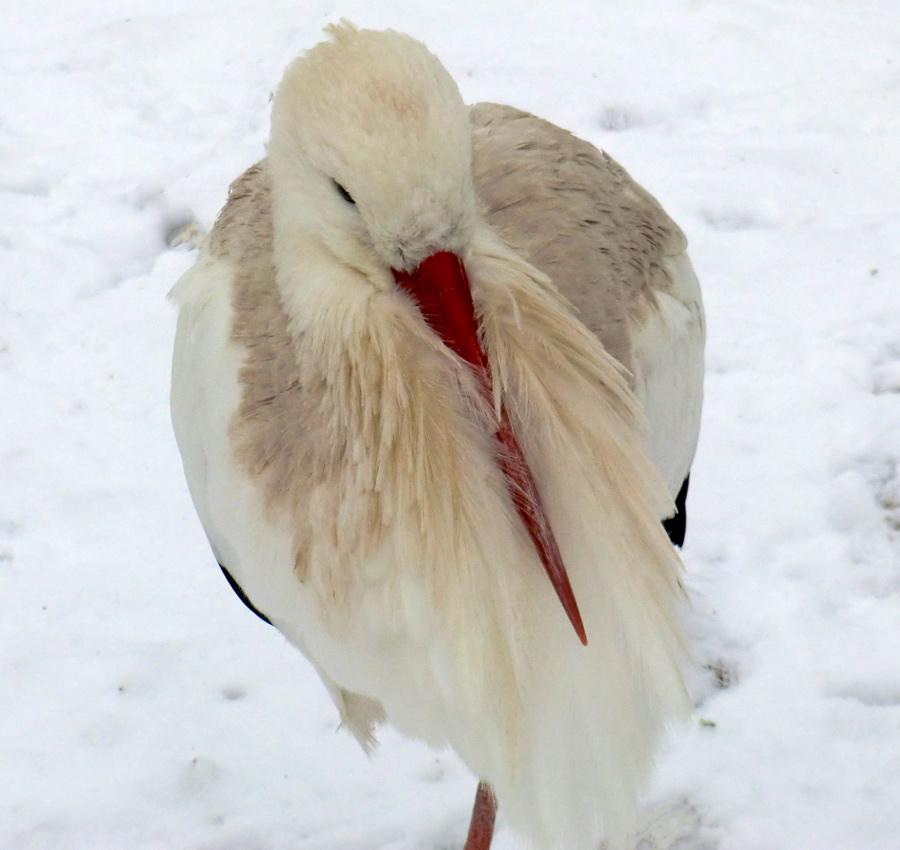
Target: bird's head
[371,148]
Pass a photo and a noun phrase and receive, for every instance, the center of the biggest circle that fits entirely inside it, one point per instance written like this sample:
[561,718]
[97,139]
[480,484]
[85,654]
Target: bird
[436,385]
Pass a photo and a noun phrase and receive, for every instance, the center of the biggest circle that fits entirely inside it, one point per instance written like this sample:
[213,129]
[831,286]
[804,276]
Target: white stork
[437,379]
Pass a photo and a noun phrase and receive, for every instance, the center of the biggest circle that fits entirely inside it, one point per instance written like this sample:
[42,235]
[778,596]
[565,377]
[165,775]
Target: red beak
[440,288]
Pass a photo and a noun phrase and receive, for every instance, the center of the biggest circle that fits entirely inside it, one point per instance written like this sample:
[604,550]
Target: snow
[144,707]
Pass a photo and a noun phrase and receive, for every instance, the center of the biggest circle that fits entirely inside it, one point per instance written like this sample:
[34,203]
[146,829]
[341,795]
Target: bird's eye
[343,192]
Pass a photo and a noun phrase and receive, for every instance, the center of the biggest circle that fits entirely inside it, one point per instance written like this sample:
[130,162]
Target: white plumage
[344,462]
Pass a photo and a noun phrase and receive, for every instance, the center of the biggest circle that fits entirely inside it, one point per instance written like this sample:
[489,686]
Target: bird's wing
[606,243]
[208,360]
[227,307]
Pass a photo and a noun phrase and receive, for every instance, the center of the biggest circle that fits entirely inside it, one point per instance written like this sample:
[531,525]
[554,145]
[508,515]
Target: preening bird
[437,381]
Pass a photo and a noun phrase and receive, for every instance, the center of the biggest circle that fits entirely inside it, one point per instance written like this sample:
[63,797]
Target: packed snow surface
[141,706]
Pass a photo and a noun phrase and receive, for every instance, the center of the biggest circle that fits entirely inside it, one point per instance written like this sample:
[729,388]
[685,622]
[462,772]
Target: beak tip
[571,609]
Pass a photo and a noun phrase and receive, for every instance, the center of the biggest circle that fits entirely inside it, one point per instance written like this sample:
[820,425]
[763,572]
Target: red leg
[481,828]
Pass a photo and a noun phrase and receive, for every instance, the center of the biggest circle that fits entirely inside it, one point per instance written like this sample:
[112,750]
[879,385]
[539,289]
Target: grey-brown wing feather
[576,215]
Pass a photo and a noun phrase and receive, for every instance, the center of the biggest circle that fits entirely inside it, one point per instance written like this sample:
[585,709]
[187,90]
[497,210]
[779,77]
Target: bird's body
[345,448]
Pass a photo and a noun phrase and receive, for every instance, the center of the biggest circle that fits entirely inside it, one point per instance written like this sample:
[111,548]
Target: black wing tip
[676,525]
[243,596]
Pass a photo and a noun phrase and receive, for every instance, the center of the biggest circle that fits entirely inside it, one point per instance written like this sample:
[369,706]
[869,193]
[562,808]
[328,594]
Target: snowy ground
[141,706]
